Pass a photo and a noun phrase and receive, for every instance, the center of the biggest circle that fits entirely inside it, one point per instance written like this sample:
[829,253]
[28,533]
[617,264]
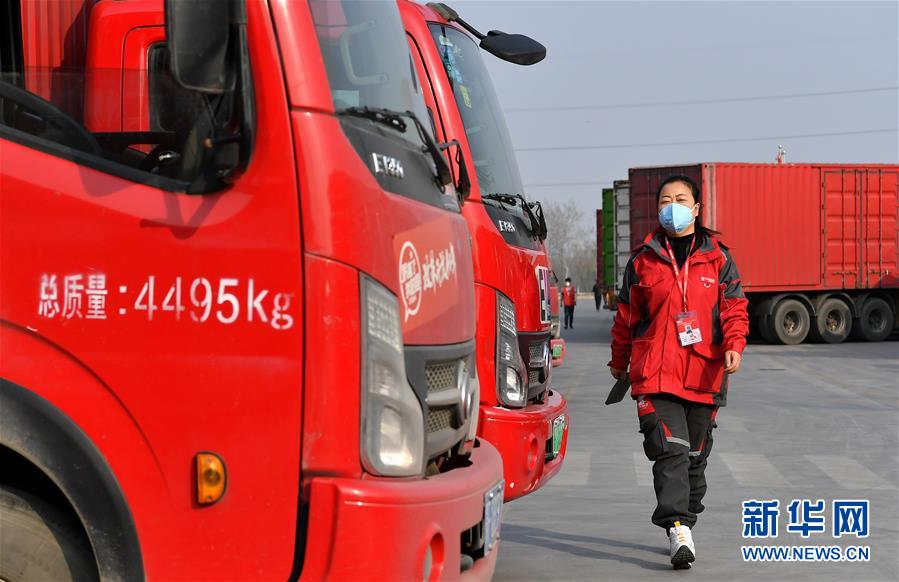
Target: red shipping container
[796,227]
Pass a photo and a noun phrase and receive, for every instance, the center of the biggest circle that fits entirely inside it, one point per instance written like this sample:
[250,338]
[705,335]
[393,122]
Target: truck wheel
[38,541]
[766,329]
[790,323]
[875,321]
[833,322]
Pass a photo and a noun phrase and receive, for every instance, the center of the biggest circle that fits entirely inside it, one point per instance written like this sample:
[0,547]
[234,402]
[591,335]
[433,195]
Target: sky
[623,80]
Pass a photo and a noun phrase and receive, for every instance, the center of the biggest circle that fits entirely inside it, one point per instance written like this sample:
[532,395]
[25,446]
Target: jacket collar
[708,250]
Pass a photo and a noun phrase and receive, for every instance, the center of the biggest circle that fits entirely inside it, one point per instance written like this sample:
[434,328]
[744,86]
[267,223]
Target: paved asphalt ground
[810,421]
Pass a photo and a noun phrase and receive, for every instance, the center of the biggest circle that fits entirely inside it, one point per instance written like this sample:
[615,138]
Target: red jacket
[569,296]
[644,334]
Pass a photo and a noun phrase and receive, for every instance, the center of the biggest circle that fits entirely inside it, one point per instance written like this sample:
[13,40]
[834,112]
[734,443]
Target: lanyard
[682,285]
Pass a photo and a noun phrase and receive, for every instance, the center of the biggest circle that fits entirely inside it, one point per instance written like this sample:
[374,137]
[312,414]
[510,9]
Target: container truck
[237,311]
[600,263]
[613,237]
[520,413]
[816,244]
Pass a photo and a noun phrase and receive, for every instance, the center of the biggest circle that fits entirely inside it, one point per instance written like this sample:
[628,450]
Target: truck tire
[766,329]
[38,541]
[833,322]
[875,320]
[790,322]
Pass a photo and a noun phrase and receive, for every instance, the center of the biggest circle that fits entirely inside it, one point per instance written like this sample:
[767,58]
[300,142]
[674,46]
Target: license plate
[493,515]
[558,431]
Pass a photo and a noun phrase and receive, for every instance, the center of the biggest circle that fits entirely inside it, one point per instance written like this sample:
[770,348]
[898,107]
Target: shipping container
[816,244]
[608,237]
[599,240]
[623,245]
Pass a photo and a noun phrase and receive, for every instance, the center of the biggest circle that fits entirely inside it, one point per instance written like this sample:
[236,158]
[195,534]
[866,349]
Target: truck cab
[237,307]
[520,413]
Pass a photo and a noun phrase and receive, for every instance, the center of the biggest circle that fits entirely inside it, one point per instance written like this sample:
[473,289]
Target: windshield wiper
[533,211]
[503,199]
[386,117]
[394,119]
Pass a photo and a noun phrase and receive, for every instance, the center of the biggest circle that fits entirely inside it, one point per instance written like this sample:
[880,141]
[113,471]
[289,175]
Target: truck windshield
[367,58]
[491,148]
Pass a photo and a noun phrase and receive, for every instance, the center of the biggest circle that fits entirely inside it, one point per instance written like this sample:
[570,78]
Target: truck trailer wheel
[875,321]
[38,541]
[790,322]
[833,322]
[766,329]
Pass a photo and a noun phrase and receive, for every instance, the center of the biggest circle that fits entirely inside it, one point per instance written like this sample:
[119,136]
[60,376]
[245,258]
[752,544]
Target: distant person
[681,328]
[597,295]
[569,300]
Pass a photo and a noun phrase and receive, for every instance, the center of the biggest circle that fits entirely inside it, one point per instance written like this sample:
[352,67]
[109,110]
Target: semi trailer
[816,244]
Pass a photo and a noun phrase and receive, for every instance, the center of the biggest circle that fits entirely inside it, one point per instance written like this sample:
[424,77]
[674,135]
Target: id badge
[688,328]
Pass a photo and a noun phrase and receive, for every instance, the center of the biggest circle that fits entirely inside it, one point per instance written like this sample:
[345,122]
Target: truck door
[878,208]
[860,209]
[134,246]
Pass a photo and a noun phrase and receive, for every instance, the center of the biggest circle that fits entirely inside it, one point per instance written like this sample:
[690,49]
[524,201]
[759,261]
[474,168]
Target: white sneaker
[682,549]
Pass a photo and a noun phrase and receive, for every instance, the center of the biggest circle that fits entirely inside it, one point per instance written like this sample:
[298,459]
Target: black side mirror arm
[463,183]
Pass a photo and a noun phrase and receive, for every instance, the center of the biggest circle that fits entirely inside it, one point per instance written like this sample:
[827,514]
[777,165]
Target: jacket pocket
[703,373]
[641,352]
[654,442]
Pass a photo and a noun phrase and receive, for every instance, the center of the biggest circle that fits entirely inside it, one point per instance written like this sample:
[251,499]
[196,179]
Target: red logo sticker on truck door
[427,268]
[410,279]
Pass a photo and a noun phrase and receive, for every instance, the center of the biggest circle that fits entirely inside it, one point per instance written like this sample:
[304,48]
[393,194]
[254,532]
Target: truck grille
[440,419]
[532,346]
[535,351]
[443,376]
[434,374]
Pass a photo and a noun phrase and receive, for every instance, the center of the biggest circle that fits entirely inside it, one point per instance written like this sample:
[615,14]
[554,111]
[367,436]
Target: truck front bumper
[389,529]
[523,437]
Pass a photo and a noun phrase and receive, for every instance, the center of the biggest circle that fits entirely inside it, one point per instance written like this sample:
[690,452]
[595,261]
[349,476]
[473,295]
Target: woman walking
[681,328]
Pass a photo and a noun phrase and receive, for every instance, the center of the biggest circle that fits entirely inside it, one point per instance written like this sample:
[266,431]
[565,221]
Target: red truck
[520,413]
[816,244]
[237,310]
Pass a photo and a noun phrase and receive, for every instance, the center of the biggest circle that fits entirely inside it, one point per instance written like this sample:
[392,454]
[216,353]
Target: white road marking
[643,468]
[848,473]
[753,470]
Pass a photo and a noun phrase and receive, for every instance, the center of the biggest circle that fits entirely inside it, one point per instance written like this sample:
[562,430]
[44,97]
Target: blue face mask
[676,217]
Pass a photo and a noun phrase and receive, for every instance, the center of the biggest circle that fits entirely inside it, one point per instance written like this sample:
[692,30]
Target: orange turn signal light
[211,478]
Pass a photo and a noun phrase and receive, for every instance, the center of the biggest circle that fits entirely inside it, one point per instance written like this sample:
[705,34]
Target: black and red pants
[677,437]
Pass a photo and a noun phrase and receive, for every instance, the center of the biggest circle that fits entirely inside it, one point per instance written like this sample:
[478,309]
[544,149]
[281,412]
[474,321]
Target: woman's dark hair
[697,197]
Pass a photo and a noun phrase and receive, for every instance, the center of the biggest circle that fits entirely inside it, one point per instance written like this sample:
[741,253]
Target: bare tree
[571,243]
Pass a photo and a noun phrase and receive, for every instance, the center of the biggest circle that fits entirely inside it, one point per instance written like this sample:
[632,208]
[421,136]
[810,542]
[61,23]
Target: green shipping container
[608,237]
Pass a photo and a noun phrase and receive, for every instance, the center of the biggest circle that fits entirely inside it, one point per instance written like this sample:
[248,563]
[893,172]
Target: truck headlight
[392,423]
[509,367]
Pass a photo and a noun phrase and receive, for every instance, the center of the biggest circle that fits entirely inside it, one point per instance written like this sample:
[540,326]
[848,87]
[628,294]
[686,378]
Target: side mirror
[514,48]
[198,34]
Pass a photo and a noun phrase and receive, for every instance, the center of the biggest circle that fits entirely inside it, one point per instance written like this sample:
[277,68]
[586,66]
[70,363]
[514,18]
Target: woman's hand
[618,374]
[732,361]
